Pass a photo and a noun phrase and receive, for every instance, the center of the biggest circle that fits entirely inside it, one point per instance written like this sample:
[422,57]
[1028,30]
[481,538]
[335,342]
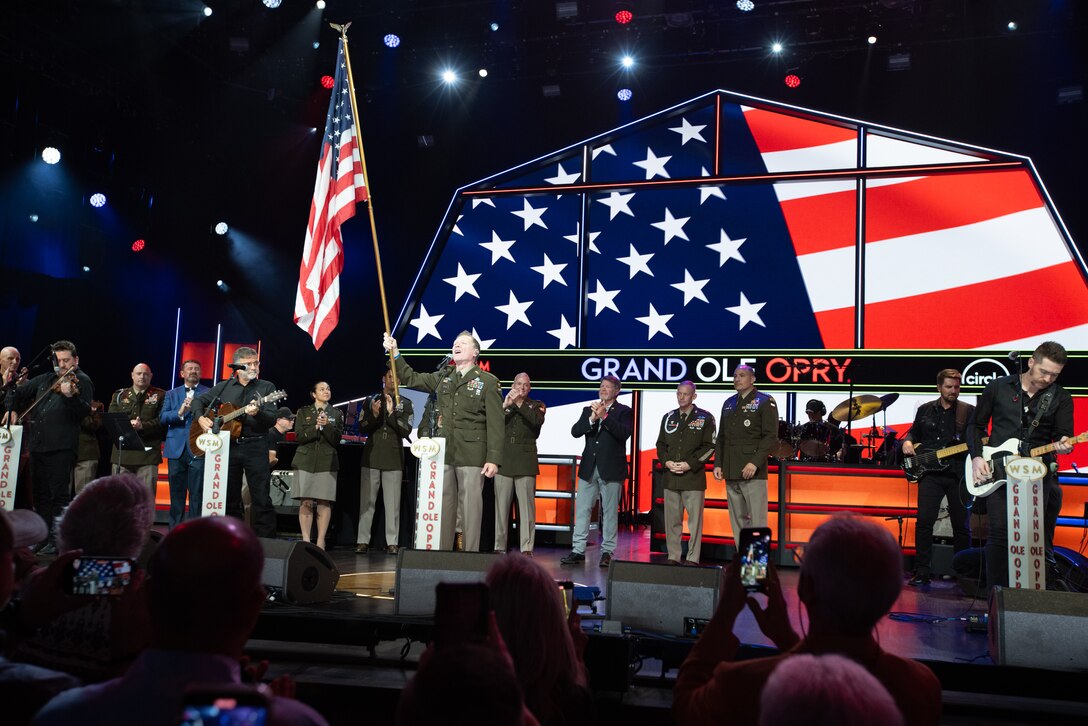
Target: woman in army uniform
[317,431]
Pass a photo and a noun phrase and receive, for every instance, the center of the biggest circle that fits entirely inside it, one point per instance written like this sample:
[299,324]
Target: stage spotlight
[138,245]
[391,40]
[86,268]
[207,12]
[33,218]
[793,80]
[50,155]
[483,73]
[320,4]
[327,81]
[1013,25]
[623,17]
[627,61]
[221,228]
[272,4]
[776,48]
[872,40]
[449,77]
[624,94]
[745,6]
[494,27]
[317,44]
[223,287]
[98,199]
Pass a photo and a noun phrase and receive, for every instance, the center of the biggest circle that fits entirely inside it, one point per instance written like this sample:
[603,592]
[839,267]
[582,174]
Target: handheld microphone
[236,366]
[1014,355]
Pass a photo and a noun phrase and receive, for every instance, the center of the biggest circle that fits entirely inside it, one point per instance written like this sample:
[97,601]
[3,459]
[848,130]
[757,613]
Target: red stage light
[793,81]
[137,245]
[327,81]
[623,17]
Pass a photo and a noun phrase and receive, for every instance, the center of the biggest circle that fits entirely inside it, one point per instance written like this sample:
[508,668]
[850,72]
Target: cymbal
[858,407]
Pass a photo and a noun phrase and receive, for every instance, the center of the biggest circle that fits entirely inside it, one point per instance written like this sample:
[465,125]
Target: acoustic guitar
[228,416]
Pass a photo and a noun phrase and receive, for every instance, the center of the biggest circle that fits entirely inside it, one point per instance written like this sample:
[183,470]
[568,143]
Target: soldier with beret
[470,406]
[684,444]
[749,428]
[387,424]
[524,417]
[142,405]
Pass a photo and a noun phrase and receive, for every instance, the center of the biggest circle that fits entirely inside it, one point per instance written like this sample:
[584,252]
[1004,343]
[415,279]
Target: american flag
[754,263]
[340,184]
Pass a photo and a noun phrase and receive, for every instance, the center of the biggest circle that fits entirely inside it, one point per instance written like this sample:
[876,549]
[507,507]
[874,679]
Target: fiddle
[69,376]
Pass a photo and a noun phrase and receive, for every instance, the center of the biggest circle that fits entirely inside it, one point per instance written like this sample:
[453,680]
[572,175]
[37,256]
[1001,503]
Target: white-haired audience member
[850,577]
[825,690]
[204,595]
[110,517]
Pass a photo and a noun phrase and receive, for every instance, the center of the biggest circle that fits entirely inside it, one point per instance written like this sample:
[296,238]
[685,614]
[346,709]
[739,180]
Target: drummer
[820,440]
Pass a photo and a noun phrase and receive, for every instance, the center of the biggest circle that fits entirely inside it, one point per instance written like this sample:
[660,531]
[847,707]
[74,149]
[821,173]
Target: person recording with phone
[54,404]
[938,425]
[850,577]
[249,452]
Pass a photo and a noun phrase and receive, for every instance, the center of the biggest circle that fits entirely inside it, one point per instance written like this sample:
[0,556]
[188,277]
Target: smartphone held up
[754,548]
[98,576]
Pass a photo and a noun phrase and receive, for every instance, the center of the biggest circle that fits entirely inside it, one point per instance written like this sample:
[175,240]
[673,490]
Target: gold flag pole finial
[343,30]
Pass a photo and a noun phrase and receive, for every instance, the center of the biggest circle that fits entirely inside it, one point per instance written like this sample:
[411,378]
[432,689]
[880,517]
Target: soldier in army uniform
[387,425]
[749,430]
[142,403]
[470,406]
[684,444]
[88,453]
[524,417]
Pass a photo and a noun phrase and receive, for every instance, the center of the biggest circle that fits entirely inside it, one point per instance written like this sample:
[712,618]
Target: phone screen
[754,547]
[224,706]
[98,576]
[566,592]
[461,612]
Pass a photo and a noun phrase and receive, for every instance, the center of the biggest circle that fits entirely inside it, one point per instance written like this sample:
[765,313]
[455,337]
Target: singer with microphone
[185,470]
[1032,408]
[249,452]
[470,407]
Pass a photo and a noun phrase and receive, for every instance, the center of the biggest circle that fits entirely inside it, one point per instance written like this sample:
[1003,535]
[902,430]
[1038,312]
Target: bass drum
[815,441]
[785,447]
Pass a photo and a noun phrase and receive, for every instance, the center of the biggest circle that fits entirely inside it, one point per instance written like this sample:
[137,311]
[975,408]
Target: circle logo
[425,448]
[209,443]
[5,436]
[1026,469]
[983,370]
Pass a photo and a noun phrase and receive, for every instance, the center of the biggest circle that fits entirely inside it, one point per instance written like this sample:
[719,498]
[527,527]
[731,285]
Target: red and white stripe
[317,303]
[970,260]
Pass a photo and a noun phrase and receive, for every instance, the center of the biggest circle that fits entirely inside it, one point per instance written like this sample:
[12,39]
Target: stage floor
[929,636]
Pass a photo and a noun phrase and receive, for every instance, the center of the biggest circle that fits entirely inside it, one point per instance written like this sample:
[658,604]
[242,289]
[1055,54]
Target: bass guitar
[227,415]
[917,466]
[996,456]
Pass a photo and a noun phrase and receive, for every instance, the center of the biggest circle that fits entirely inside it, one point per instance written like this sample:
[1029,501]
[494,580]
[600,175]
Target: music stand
[119,427]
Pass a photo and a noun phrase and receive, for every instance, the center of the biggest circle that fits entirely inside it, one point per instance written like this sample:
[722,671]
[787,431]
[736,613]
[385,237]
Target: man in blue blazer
[185,470]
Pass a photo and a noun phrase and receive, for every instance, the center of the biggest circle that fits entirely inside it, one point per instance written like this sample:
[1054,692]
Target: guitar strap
[1044,404]
[961,418]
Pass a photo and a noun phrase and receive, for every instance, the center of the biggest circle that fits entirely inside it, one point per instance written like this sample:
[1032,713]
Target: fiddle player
[57,403]
[142,405]
[248,452]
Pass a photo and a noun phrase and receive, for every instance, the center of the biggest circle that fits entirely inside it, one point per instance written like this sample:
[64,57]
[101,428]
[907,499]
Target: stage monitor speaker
[659,597]
[418,571]
[1039,628]
[302,571]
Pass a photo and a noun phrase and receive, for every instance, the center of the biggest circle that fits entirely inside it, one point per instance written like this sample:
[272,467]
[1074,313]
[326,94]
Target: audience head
[529,612]
[825,690]
[462,685]
[204,591]
[851,575]
[18,528]
[110,517]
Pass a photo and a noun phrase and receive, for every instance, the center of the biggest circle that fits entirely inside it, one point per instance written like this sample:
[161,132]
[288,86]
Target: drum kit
[825,441]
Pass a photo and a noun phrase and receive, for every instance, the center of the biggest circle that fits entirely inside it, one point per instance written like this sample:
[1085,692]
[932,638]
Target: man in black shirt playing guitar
[938,426]
[1026,411]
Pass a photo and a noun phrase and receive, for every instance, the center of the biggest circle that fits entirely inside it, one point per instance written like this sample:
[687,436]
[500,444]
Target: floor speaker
[1039,628]
[659,598]
[302,571]
[418,571]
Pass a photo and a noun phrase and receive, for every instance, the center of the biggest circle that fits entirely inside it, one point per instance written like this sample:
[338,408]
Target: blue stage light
[50,155]
[624,94]
[745,6]
[98,199]
[391,40]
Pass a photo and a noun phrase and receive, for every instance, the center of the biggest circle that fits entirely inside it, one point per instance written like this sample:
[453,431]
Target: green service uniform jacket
[471,411]
[384,448]
[145,406]
[689,438]
[519,456]
[317,449]
[88,436]
[749,430]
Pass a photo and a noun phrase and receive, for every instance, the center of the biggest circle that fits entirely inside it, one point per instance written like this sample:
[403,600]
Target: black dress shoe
[391,550]
[606,559]
[920,579]
[362,549]
[574,558]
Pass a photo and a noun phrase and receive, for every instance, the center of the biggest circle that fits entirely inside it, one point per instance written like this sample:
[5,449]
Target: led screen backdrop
[730,222]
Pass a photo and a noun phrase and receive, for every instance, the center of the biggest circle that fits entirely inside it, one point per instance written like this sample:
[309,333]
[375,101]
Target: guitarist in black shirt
[1034,410]
[938,425]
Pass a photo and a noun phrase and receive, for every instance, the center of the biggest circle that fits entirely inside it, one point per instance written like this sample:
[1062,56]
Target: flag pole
[343,30]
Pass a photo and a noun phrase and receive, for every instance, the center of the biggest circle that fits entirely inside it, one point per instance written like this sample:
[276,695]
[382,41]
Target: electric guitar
[996,456]
[228,413]
[917,466]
